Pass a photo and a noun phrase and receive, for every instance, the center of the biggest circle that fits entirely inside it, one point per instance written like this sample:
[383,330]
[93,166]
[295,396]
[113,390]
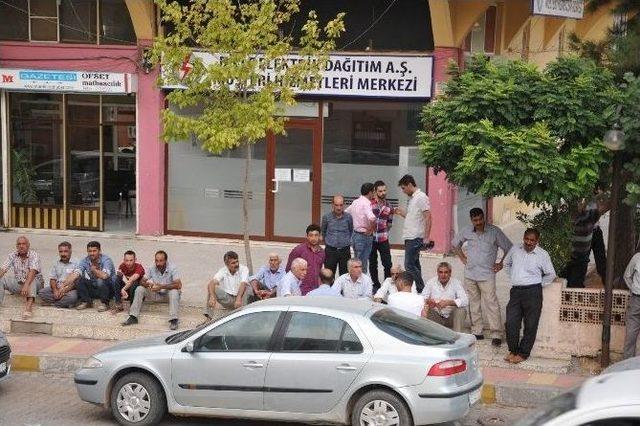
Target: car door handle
[252,364]
[346,367]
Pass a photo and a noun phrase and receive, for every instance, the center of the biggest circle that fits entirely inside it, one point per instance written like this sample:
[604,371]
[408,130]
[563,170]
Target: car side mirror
[188,347]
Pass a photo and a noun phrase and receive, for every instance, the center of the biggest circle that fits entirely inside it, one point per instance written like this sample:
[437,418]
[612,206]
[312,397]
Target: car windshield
[554,408]
[412,329]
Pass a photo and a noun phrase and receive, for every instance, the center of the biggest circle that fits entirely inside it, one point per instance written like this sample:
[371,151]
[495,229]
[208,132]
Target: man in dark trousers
[529,267]
[383,212]
[337,229]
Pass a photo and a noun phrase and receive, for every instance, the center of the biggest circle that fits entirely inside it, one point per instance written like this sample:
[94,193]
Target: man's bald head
[337,204]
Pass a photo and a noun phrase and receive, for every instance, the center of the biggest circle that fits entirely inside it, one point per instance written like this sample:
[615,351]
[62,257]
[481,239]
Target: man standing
[160,284]
[529,268]
[61,291]
[312,252]
[326,280]
[389,287]
[292,281]
[443,294]
[404,299]
[265,282]
[416,229]
[128,278]
[363,224]
[96,278]
[27,277]
[355,284]
[383,212]
[632,318]
[481,265]
[337,229]
[229,288]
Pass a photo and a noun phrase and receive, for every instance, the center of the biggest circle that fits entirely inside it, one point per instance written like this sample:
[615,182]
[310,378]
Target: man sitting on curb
[265,282]
[326,279]
[443,294]
[61,291]
[26,279]
[354,284]
[290,284]
[229,288]
[161,284]
[128,278]
[406,300]
[96,274]
[388,286]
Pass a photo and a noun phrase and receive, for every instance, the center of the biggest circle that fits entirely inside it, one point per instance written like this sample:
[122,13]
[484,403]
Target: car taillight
[448,368]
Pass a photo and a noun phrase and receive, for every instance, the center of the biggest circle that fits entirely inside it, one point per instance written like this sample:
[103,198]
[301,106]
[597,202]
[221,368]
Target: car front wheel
[380,407]
[138,400]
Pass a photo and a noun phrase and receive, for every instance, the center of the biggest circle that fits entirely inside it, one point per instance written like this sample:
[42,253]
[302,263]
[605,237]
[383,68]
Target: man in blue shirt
[326,279]
[266,281]
[95,276]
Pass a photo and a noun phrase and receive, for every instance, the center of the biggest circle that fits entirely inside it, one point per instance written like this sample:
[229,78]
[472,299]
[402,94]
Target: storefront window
[369,141]
[205,190]
[115,23]
[78,21]
[36,152]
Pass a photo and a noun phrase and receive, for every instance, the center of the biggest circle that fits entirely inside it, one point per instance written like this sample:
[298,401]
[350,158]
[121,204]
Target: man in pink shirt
[363,224]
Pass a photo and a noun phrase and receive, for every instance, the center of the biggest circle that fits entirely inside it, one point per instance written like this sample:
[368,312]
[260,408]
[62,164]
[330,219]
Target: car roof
[608,390]
[336,304]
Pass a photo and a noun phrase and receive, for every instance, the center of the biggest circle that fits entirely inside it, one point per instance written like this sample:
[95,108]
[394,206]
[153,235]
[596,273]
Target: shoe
[496,342]
[207,320]
[509,357]
[517,359]
[173,324]
[84,305]
[130,321]
[479,336]
[117,308]
[101,307]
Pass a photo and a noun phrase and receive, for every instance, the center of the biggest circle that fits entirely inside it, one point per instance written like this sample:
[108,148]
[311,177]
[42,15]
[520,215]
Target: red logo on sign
[7,78]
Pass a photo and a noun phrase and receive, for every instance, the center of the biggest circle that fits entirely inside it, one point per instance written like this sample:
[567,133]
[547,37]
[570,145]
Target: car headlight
[92,362]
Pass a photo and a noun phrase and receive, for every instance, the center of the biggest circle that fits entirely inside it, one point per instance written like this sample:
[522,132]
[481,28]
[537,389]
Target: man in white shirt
[388,286]
[442,295]
[404,299]
[290,284]
[529,268]
[417,227]
[354,284]
[229,288]
[326,279]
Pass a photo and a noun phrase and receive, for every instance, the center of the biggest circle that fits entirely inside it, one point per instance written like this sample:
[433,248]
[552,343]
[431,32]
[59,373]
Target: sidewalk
[506,386]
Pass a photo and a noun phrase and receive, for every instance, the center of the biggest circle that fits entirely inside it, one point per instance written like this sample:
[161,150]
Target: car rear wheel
[138,400]
[380,408]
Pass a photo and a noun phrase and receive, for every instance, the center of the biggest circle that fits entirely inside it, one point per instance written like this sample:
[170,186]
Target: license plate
[474,396]
[3,367]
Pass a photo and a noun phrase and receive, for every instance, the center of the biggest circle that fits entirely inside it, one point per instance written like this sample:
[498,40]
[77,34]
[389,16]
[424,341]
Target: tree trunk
[245,206]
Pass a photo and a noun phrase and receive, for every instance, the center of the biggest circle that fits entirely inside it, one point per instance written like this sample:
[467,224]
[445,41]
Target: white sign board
[283,175]
[301,175]
[66,81]
[360,75]
[561,8]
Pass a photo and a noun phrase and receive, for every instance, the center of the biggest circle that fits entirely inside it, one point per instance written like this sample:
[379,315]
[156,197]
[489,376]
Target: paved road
[32,399]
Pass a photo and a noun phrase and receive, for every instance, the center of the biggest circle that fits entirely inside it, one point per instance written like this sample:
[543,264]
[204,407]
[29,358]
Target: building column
[150,167]
[441,193]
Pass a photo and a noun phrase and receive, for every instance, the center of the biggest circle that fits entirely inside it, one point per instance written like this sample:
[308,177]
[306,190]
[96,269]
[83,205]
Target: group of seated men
[232,287]
[75,284]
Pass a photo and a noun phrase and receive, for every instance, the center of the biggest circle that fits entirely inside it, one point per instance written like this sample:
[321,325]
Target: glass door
[84,168]
[294,179]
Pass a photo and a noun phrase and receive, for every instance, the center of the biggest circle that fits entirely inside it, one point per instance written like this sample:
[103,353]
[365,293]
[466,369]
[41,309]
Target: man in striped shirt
[384,219]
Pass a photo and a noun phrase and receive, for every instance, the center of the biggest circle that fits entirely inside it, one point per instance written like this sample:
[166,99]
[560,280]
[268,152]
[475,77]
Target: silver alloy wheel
[379,413]
[133,402]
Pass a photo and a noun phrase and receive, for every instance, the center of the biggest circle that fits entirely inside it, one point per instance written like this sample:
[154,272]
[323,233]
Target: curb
[46,364]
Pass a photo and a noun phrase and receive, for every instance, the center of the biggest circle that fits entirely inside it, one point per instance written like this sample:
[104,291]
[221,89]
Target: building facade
[80,118]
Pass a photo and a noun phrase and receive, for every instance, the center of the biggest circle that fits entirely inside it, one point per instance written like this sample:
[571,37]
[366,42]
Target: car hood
[145,342]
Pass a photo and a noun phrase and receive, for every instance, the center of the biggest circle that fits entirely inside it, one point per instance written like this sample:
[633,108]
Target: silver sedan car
[5,357]
[321,359]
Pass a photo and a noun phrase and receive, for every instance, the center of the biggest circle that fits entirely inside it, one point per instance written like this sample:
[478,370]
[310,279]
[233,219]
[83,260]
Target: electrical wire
[373,24]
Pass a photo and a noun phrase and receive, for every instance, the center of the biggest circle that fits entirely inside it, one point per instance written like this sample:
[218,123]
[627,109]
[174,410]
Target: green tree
[505,128]
[249,39]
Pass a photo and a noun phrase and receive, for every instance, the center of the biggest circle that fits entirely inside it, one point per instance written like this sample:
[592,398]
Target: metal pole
[611,256]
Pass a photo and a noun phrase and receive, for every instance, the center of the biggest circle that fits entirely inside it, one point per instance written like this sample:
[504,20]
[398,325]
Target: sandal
[27,315]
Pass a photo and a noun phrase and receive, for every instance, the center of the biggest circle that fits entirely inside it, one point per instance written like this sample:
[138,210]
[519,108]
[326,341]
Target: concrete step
[491,356]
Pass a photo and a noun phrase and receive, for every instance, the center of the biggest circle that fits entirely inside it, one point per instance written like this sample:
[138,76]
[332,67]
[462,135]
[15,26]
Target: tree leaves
[506,128]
